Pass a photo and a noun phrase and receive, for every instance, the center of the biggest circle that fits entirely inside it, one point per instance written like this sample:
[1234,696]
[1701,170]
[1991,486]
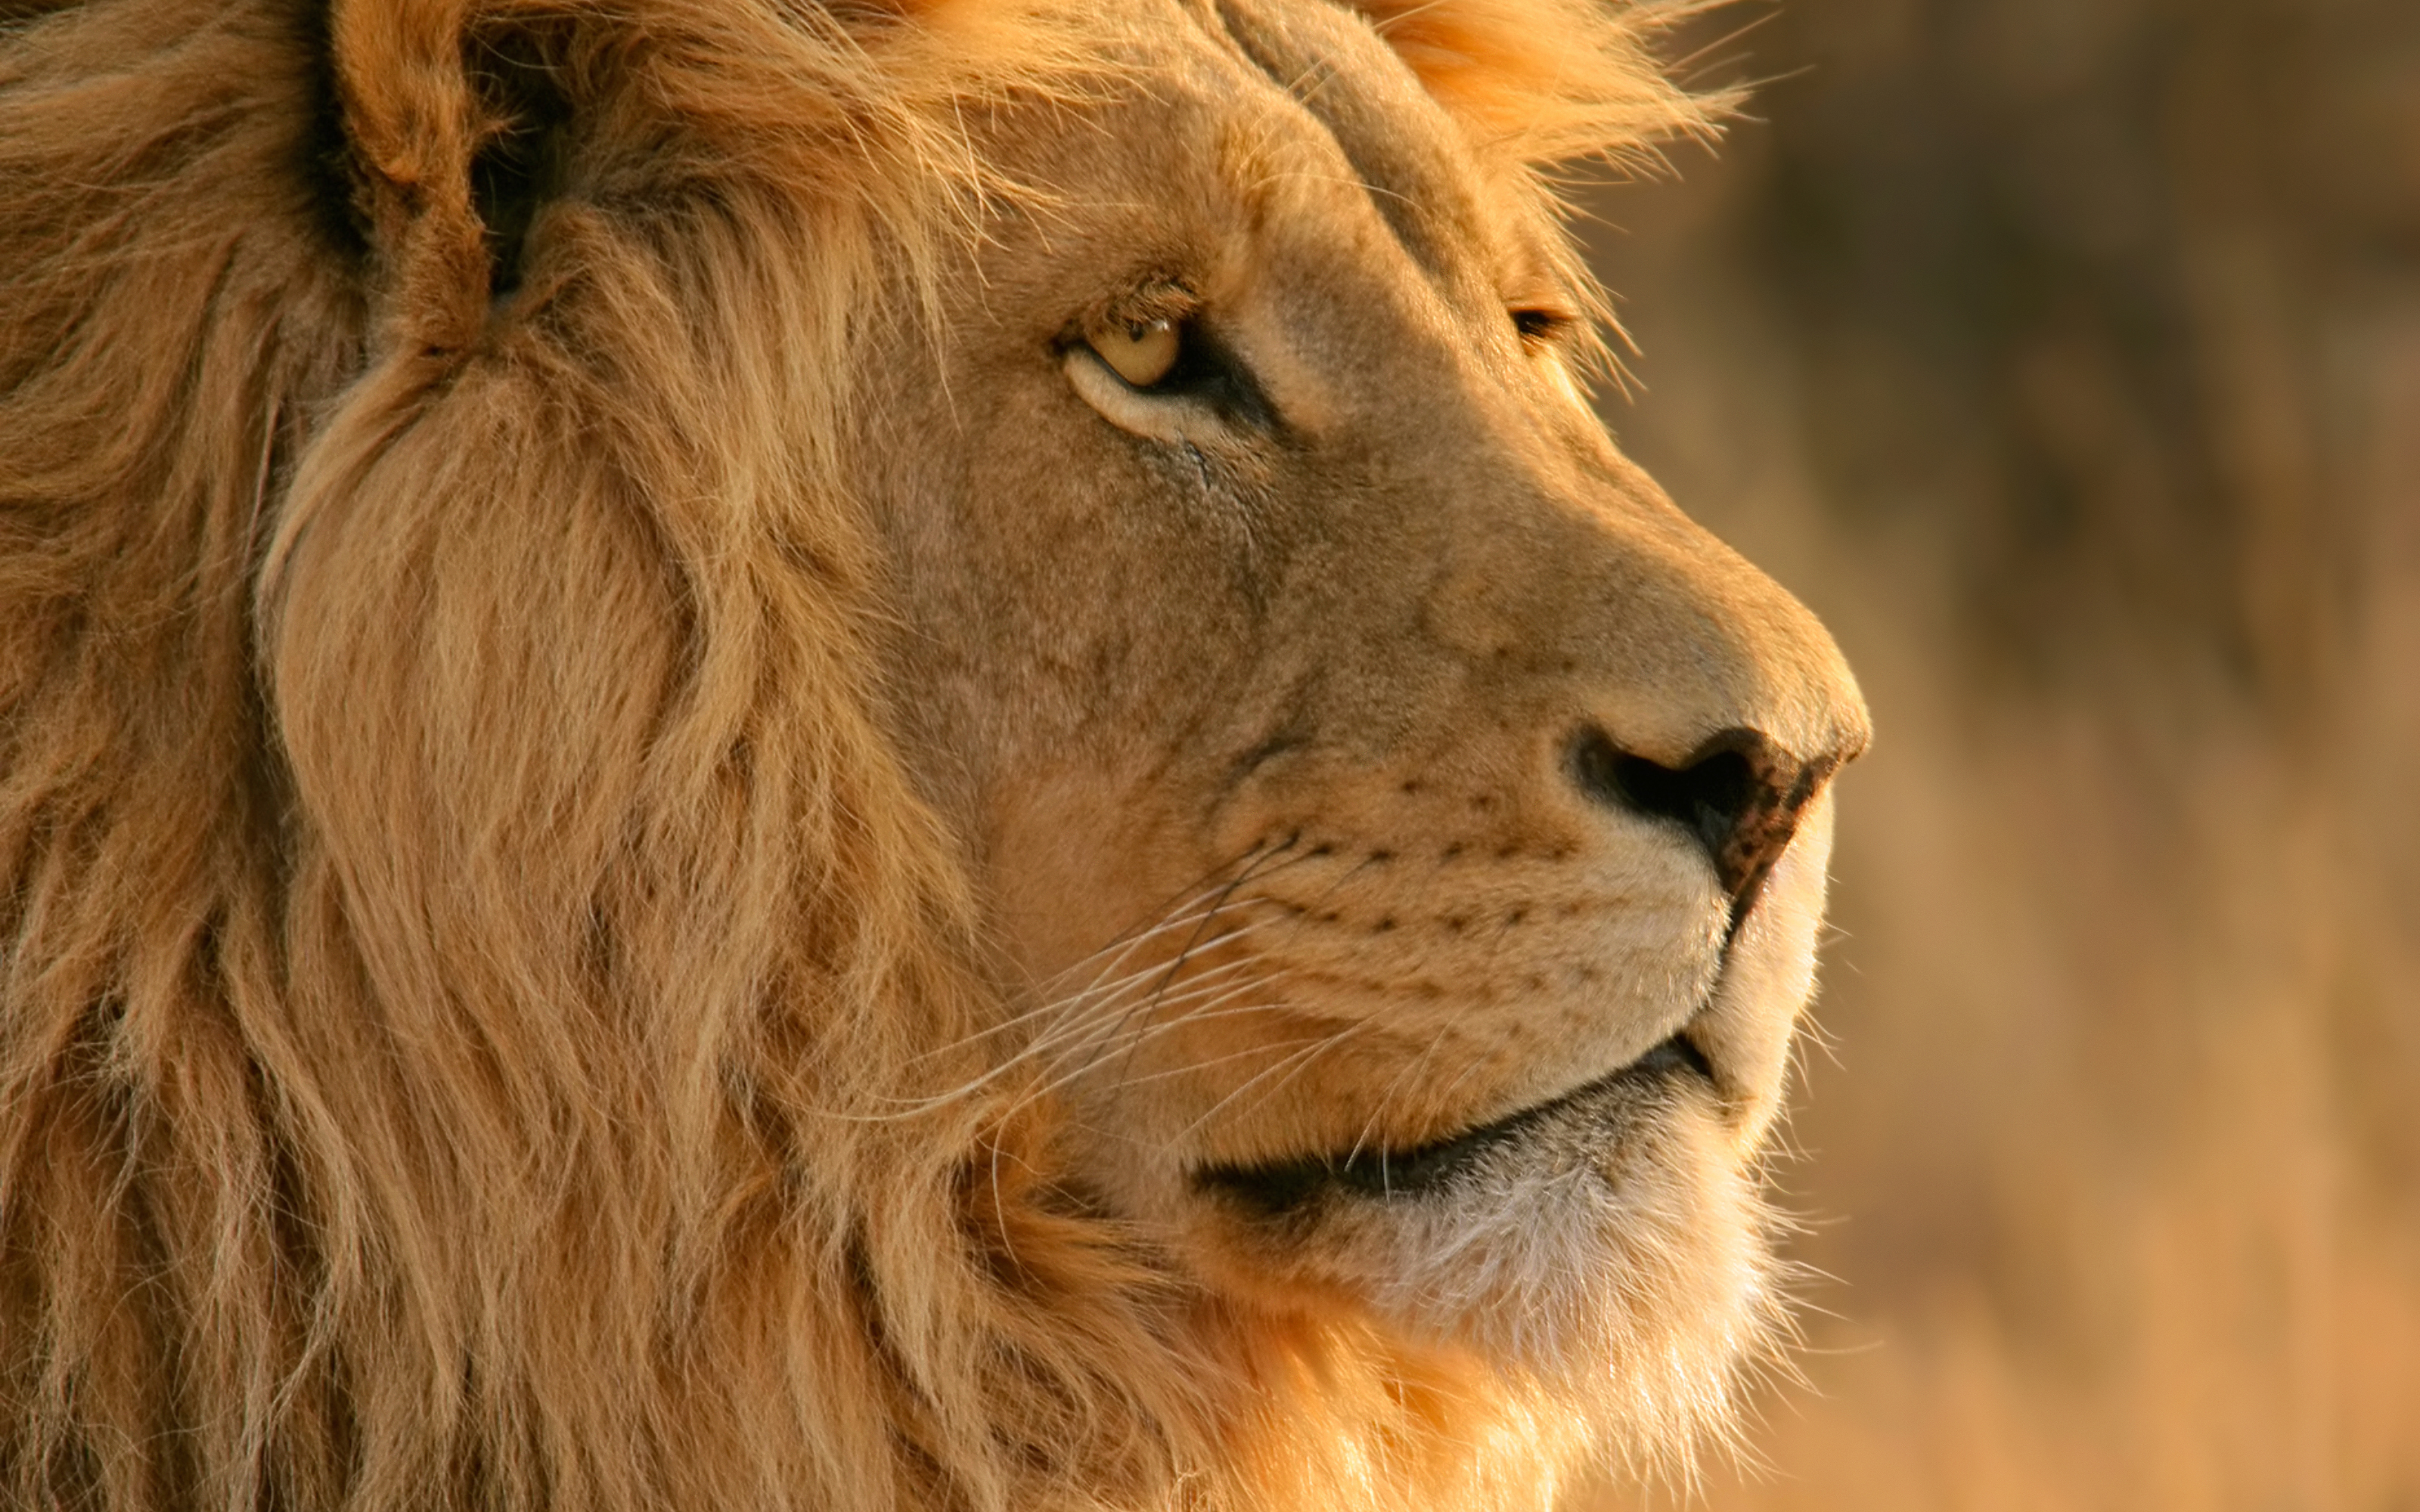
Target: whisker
[1386,1098]
[1059,1003]
[1078,1074]
[1177,965]
[1202,1013]
[1077,1028]
[1115,999]
[1207,992]
[1301,1060]
[1092,1021]
[1192,1067]
[1026,1055]
[1185,911]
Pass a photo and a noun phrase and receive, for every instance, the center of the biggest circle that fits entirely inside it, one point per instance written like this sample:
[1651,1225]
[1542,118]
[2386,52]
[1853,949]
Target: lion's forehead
[1294,108]
[1407,156]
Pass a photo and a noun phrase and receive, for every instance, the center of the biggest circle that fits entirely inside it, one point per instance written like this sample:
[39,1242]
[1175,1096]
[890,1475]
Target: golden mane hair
[478,976]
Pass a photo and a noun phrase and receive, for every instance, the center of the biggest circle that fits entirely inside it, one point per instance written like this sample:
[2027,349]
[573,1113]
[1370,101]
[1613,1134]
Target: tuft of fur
[466,934]
[1548,81]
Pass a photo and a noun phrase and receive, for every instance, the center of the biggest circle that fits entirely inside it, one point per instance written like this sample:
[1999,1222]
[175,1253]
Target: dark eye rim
[1542,326]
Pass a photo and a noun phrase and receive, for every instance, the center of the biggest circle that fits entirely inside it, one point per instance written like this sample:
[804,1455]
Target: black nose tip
[1737,794]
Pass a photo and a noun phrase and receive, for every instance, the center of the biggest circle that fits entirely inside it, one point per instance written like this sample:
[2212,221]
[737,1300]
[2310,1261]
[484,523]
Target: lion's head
[791,754]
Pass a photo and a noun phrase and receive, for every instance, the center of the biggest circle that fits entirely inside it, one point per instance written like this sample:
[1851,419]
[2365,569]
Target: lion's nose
[1738,792]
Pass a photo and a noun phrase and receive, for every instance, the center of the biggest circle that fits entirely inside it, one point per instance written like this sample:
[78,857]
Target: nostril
[1736,795]
[1708,796]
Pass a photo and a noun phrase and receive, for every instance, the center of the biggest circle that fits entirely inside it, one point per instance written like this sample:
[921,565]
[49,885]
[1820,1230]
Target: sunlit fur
[487,1019]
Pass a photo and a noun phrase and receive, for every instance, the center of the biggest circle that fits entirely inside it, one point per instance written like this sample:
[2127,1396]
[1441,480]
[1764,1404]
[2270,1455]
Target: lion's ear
[457,122]
[520,80]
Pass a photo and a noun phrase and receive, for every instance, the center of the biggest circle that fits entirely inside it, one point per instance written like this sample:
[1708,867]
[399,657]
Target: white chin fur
[1628,1280]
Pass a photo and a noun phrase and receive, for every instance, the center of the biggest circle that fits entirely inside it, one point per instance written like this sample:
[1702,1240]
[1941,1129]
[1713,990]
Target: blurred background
[2065,356]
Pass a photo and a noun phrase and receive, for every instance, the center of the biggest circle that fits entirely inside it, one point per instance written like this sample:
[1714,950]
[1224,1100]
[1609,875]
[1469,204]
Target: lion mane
[487,1016]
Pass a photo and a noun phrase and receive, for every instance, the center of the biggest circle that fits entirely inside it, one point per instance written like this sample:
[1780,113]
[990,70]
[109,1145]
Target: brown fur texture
[556,854]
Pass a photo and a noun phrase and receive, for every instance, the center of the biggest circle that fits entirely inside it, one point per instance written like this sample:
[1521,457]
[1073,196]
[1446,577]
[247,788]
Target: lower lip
[1277,1189]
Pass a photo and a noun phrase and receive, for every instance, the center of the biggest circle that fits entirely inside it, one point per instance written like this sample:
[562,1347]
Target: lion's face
[1406,831]
[773,753]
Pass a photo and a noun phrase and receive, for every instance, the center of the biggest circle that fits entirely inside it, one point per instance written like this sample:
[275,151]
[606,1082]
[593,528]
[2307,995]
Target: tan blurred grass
[2065,355]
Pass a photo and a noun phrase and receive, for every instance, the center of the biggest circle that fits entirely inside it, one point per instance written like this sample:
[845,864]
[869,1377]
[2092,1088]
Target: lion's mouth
[1284,1188]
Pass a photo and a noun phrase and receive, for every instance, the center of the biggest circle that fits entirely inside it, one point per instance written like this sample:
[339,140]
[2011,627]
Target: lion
[860,754]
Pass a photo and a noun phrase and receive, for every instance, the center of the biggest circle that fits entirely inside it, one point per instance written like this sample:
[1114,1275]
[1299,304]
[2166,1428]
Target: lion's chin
[1605,1246]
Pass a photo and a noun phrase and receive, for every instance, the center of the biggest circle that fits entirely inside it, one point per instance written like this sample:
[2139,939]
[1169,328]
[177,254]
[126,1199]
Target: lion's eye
[1169,377]
[1142,354]
[1539,328]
